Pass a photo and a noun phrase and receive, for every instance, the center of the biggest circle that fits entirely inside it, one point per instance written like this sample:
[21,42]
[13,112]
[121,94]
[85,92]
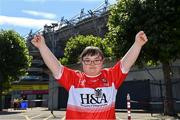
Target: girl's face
[92,65]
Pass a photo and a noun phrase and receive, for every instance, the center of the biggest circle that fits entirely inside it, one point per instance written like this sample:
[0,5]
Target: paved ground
[45,114]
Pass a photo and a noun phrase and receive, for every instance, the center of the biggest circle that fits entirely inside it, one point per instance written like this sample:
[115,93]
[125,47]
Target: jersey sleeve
[117,76]
[67,79]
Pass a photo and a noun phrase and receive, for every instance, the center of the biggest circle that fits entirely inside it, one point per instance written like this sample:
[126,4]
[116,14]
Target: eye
[87,60]
[99,60]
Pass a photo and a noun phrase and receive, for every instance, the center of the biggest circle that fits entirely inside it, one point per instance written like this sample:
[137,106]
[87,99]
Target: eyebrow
[94,58]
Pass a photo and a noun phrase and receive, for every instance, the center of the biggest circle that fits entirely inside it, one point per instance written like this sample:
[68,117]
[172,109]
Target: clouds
[22,15]
[110,1]
[25,22]
[41,14]
[64,0]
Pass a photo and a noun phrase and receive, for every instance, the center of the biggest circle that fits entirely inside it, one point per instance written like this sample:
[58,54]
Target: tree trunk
[168,100]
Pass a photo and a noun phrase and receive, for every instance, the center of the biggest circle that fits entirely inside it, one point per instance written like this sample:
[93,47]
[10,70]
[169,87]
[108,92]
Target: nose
[92,62]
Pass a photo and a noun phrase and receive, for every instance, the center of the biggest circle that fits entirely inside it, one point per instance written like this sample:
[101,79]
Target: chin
[94,74]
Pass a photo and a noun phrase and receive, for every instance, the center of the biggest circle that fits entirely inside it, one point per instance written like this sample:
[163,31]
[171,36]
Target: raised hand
[38,41]
[141,38]
[131,56]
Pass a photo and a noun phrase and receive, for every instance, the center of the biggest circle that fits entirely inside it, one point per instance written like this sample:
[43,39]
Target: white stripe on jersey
[101,98]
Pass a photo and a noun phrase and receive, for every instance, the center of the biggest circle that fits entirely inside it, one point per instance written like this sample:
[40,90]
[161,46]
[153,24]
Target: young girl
[92,92]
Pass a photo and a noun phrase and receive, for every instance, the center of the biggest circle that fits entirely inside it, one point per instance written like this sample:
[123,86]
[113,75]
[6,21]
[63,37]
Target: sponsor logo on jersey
[93,100]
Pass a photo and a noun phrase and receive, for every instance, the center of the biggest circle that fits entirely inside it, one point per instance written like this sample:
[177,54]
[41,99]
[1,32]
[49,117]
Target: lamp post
[53,42]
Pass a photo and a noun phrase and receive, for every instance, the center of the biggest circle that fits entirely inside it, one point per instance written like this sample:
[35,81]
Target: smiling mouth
[92,68]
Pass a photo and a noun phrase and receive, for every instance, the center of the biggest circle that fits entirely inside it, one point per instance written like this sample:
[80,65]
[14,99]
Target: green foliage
[158,18]
[14,57]
[76,45]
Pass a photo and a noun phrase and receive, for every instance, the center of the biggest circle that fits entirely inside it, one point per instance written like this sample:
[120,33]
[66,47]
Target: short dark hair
[91,51]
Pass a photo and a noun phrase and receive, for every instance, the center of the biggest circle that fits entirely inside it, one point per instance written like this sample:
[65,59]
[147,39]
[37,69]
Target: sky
[25,15]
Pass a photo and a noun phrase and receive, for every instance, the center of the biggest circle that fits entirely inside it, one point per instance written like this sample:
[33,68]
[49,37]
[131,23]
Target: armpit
[59,73]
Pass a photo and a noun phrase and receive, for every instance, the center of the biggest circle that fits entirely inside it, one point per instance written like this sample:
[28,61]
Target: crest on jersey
[98,93]
[105,81]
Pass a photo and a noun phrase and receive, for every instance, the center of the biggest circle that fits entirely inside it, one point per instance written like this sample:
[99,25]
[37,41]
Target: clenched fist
[38,41]
[141,38]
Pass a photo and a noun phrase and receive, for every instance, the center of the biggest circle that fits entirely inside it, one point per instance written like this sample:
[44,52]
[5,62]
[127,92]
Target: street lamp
[53,42]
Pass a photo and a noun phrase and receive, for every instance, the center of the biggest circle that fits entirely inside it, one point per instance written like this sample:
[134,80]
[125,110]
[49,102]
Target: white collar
[92,76]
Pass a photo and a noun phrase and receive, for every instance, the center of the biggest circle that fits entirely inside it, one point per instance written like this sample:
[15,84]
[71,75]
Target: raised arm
[131,56]
[50,60]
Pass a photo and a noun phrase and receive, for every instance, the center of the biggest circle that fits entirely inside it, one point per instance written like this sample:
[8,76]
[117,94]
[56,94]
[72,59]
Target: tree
[76,45]
[161,22]
[14,58]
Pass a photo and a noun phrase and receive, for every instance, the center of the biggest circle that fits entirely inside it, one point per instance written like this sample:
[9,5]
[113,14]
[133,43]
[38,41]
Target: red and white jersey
[92,97]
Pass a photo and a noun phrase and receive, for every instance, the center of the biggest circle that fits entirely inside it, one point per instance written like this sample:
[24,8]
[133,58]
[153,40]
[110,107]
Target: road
[45,114]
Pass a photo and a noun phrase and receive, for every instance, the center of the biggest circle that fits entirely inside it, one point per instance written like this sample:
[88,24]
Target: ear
[103,59]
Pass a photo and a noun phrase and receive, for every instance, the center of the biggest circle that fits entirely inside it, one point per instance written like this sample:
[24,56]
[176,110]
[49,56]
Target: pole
[162,98]
[129,106]
[52,107]
[53,50]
